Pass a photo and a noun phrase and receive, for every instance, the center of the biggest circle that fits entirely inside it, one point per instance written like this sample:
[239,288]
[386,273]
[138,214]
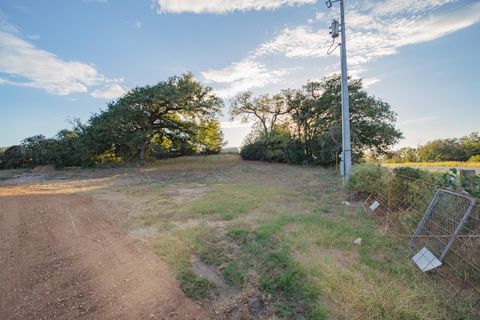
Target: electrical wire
[330,50]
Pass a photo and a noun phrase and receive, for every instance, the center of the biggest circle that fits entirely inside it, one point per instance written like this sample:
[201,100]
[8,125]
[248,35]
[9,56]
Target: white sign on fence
[374,205]
[426,260]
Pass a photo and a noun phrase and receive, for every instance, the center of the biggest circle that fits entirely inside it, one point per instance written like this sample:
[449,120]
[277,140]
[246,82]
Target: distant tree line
[172,118]
[466,148]
[304,125]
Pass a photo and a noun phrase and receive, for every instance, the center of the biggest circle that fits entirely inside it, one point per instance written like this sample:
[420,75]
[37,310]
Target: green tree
[67,150]
[170,114]
[442,150]
[38,150]
[470,144]
[317,114]
[312,117]
[266,111]
[209,137]
[13,157]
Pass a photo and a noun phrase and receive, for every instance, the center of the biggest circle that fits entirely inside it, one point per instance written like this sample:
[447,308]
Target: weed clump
[367,178]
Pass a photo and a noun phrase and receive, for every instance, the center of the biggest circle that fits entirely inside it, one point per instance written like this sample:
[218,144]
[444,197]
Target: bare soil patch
[63,258]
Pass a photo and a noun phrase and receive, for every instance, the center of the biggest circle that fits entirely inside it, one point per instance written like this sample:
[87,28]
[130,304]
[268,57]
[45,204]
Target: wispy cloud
[375,29]
[418,120]
[302,41]
[137,25]
[376,33]
[223,6]
[23,64]
[243,75]
[108,92]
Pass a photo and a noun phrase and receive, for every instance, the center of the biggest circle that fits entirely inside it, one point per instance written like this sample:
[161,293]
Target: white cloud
[367,82]
[33,37]
[374,34]
[418,120]
[108,92]
[375,29]
[301,41]
[319,16]
[223,6]
[23,64]
[243,75]
[412,7]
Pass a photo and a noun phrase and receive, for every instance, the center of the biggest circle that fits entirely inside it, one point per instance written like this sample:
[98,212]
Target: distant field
[437,166]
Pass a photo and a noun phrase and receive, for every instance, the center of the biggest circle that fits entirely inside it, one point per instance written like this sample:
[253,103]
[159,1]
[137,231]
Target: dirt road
[62,258]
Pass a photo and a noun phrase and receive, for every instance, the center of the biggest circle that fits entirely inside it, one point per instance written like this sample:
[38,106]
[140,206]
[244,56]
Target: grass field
[437,166]
[252,240]
[262,239]
[8,174]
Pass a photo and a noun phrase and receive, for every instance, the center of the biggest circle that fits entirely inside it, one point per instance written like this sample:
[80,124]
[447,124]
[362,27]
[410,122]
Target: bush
[13,157]
[253,151]
[276,146]
[403,187]
[475,158]
[471,184]
[295,152]
[367,178]
[109,159]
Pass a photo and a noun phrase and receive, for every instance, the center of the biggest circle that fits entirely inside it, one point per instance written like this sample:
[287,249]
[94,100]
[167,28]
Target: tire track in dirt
[61,258]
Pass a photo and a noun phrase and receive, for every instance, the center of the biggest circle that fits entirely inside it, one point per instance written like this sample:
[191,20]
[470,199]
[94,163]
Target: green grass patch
[197,288]
[263,252]
[230,201]
[210,248]
[234,274]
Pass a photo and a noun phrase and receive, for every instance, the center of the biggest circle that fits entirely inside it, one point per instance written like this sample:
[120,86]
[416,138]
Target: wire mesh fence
[439,227]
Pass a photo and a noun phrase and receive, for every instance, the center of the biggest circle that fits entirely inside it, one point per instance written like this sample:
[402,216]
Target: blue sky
[61,60]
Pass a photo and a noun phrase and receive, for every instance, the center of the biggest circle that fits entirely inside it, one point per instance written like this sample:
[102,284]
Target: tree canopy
[451,149]
[309,119]
[174,117]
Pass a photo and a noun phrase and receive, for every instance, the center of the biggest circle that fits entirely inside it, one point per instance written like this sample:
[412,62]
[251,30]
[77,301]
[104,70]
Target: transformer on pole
[346,162]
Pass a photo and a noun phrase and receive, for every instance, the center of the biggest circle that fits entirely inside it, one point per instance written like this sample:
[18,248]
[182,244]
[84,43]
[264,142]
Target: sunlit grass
[446,164]
[231,200]
[291,227]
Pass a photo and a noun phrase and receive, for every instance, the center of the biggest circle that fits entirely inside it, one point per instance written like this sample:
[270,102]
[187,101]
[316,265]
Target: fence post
[458,229]
[425,218]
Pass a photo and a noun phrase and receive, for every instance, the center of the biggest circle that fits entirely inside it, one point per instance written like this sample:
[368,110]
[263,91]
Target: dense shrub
[367,178]
[407,183]
[276,146]
[253,151]
[295,152]
[13,157]
[475,158]
[471,183]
